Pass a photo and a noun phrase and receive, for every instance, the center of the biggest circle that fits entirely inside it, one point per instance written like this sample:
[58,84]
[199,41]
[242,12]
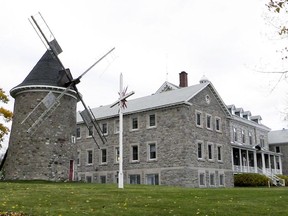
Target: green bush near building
[251,180]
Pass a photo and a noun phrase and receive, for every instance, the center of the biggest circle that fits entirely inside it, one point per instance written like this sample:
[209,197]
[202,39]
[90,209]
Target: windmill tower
[42,141]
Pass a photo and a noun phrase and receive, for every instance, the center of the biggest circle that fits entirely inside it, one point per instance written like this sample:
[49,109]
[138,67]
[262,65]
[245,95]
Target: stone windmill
[42,140]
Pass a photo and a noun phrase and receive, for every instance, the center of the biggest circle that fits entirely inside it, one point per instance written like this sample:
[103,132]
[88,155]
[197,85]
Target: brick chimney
[183,77]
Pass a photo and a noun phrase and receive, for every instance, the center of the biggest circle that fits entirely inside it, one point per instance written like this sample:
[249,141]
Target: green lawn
[42,198]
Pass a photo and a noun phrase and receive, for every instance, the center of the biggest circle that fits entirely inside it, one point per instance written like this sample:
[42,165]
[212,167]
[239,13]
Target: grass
[44,198]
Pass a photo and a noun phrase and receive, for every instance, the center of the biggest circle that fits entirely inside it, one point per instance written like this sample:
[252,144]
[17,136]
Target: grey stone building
[177,136]
[49,152]
[278,143]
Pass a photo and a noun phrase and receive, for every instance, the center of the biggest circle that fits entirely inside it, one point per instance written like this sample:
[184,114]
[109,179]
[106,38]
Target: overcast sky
[228,41]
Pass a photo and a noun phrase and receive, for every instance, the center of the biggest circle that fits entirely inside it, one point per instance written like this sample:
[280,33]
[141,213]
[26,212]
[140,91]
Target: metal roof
[278,136]
[155,101]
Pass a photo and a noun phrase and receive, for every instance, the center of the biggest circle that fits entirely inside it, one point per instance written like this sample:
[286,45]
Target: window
[235,138]
[152,151]
[212,179]
[262,142]
[208,121]
[198,119]
[243,136]
[89,157]
[152,179]
[88,179]
[102,179]
[116,126]
[219,153]
[78,133]
[250,138]
[78,158]
[73,139]
[201,179]
[210,151]
[103,156]
[221,179]
[134,179]
[90,131]
[277,149]
[104,128]
[200,150]
[117,154]
[134,153]
[218,124]
[134,122]
[152,121]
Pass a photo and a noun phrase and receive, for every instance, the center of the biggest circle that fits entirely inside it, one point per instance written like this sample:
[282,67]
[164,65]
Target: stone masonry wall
[47,153]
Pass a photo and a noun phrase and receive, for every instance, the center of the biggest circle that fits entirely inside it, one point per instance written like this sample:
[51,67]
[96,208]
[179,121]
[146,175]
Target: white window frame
[102,126]
[153,175]
[90,128]
[149,121]
[131,152]
[101,154]
[132,121]
[212,174]
[196,119]
[219,179]
[250,137]
[202,149]
[202,173]
[87,156]
[78,137]
[220,124]
[221,152]
[149,152]
[212,151]
[243,136]
[235,135]
[208,116]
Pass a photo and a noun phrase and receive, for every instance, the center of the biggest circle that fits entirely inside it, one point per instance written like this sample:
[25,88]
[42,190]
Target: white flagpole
[120,176]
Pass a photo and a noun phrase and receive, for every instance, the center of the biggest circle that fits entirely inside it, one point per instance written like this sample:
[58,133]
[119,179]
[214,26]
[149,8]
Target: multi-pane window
[152,153]
[250,138]
[152,120]
[219,153]
[208,121]
[134,179]
[104,128]
[134,153]
[210,151]
[78,132]
[243,136]
[88,179]
[102,179]
[200,150]
[89,156]
[117,154]
[152,179]
[116,126]
[90,131]
[201,179]
[235,138]
[103,156]
[134,123]
[212,179]
[221,179]
[218,124]
[198,119]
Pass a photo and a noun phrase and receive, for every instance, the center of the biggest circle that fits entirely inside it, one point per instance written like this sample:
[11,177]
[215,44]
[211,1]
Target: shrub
[285,177]
[250,180]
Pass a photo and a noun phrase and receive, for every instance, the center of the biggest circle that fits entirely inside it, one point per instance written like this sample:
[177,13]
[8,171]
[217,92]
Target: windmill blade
[89,119]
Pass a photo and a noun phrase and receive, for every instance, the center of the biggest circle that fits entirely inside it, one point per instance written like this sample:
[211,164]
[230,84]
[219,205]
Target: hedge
[251,180]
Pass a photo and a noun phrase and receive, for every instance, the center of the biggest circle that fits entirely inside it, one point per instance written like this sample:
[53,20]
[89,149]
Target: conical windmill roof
[44,73]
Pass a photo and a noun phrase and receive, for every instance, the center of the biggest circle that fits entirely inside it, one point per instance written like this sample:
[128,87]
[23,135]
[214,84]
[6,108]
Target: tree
[5,114]
[279,6]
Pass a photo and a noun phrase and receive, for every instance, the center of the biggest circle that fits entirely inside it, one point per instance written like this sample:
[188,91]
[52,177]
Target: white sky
[228,41]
